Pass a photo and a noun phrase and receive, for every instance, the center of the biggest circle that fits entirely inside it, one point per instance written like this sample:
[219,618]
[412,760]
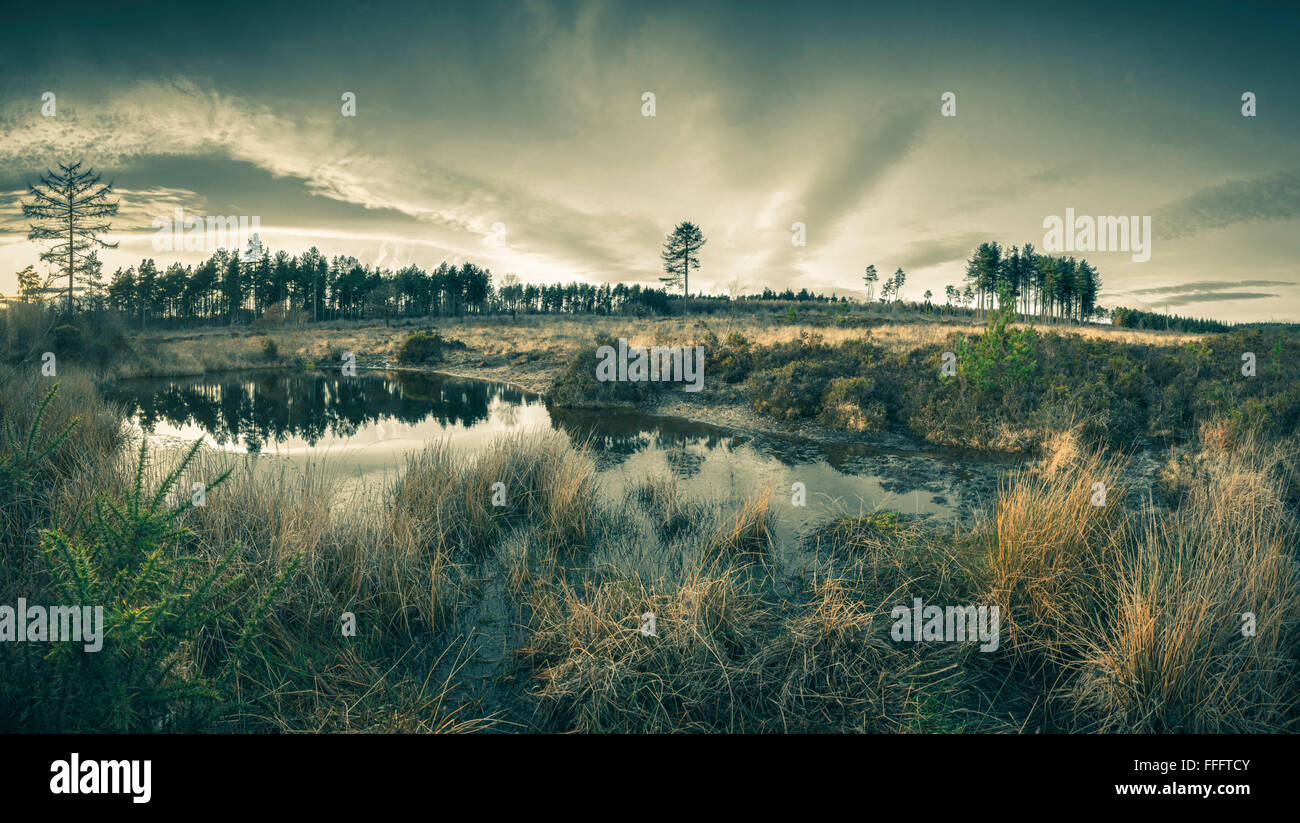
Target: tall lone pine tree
[68,206]
[679,255]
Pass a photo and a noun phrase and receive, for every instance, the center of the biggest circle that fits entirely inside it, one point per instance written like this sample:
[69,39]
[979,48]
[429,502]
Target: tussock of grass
[1174,657]
[1135,617]
[671,511]
[1048,548]
[726,659]
[746,531]
[549,484]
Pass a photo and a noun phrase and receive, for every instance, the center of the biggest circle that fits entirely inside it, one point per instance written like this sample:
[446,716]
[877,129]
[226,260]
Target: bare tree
[736,287]
[67,208]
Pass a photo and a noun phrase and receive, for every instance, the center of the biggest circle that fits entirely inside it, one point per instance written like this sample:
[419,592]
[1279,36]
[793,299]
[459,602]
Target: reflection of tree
[683,463]
[630,432]
[271,408]
[508,414]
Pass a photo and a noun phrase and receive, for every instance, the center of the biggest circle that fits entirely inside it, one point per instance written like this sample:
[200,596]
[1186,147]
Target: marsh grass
[745,533]
[730,657]
[1135,617]
[449,496]
[1122,617]
[1175,656]
[1048,548]
[669,508]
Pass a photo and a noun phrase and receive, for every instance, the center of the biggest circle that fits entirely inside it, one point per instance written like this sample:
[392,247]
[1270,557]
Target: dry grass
[1113,617]
[1175,656]
[1048,548]
[746,532]
[723,659]
[1135,618]
[670,511]
[519,348]
[544,480]
[99,424]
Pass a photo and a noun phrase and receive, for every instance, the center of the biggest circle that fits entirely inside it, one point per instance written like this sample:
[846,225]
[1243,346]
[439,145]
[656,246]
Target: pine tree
[147,286]
[68,206]
[870,278]
[1087,283]
[982,272]
[232,288]
[93,285]
[679,255]
[32,288]
[1029,277]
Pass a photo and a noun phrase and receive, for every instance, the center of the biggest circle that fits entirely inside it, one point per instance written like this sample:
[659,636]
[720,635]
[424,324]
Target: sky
[515,135]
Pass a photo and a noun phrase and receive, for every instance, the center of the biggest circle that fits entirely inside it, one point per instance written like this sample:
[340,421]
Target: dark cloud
[485,111]
[1274,197]
[1215,297]
[1210,286]
[933,252]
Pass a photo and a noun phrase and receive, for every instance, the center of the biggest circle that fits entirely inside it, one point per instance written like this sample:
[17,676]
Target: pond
[363,427]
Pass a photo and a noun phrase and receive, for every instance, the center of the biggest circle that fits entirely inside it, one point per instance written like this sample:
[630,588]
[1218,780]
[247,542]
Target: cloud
[934,252]
[846,176]
[998,192]
[1215,297]
[1206,291]
[179,118]
[1210,286]
[1273,197]
[850,172]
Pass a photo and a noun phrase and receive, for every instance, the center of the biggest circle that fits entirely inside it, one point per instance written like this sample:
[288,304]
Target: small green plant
[1000,358]
[176,627]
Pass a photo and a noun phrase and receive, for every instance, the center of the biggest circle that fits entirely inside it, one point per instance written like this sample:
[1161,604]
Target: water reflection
[365,425]
[249,411]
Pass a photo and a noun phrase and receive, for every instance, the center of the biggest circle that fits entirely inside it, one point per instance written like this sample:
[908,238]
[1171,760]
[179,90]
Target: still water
[363,427]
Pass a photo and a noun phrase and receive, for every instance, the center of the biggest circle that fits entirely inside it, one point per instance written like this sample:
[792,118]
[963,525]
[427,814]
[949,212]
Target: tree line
[1056,287]
[1135,319]
[70,208]
[234,288]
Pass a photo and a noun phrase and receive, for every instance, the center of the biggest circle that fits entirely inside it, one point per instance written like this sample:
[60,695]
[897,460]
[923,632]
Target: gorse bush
[578,387]
[807,379]
[176,628]
[426,347]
